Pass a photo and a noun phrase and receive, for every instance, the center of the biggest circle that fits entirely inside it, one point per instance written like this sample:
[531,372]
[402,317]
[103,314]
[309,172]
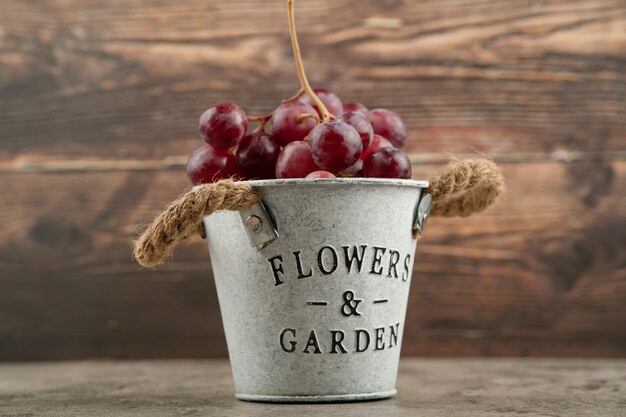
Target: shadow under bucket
[315,312]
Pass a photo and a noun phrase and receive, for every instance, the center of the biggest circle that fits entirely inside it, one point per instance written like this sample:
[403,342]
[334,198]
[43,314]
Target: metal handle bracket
[423,209]
[259,226]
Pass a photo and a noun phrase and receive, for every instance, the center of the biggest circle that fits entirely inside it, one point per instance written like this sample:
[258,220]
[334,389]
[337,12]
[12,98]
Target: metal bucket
[313,286]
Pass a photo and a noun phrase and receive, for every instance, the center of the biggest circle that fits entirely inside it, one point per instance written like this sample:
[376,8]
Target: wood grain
[542,273]
[426,387]
[98,112]
[129,79]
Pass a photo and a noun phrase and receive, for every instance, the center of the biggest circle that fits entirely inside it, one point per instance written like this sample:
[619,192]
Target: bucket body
[318,314]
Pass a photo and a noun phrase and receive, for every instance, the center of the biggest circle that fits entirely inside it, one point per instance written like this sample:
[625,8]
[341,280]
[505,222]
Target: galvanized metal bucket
[313,286]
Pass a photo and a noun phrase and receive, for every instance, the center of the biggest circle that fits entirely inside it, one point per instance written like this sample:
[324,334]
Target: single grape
[269,125]
[378,142]
[295,161]
[387,163]
[287,126]
[320,174]
[207,164]
[335,145]
[330,100]
[256,155]
[361,124]
[354,170]
[223,125]
[356,107]
[388,124]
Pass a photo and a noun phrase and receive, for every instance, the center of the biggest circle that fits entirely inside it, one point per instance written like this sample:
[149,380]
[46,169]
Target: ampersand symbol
[350,304]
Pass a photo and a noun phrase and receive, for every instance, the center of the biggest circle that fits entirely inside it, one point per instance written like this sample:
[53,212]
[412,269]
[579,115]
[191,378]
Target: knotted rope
[463,188]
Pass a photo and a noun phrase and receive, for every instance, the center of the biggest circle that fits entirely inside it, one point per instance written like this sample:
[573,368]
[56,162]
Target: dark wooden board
[129,79]
[542,273]
[98,112]
[426,387]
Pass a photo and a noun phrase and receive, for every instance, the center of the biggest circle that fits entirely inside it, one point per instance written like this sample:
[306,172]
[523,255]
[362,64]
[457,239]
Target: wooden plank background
[98,110]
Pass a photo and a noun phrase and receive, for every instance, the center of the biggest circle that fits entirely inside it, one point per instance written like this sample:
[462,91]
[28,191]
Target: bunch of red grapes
[294,142]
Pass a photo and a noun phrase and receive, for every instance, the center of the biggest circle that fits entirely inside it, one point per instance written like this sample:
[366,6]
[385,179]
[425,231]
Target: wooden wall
[98,109]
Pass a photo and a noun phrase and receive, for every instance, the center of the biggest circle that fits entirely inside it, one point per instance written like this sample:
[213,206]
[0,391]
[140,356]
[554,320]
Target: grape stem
[304,83]
[294,97]
[303,116]
[261,119]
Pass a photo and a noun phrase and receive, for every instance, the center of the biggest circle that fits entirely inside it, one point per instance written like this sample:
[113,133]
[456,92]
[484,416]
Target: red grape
[207,164]
[320,174]
[356,107]
[223,125]
[295,161]
[354,170]
[335,145]
[388,124]
[387,163]
[286,127]
[378,142]
[361,124]
[257,154]
[330,100]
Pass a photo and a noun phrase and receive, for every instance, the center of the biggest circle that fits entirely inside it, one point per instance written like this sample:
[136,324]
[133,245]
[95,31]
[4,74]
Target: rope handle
[183,218]
[463,188]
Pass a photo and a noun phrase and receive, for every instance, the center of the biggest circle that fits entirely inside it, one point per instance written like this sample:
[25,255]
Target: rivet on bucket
[259,226]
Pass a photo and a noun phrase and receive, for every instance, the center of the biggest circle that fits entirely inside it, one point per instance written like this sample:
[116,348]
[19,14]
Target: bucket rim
[339,181]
